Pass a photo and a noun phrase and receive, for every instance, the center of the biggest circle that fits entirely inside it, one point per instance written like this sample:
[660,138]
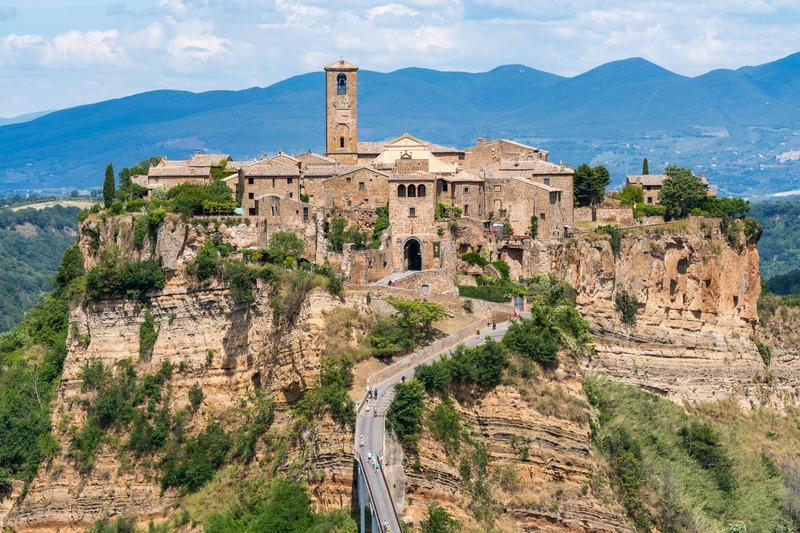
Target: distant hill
[741,127]
[779,246]
[32,242]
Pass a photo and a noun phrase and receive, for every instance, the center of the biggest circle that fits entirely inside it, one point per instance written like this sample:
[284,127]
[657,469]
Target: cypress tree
[109,191]
[645,169]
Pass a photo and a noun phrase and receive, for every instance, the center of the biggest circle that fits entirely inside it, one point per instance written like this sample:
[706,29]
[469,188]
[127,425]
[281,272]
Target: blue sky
[56,54]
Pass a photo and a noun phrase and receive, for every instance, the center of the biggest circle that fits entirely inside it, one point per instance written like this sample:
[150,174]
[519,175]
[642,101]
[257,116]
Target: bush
[191,466]
[764,351]
[616,239]
[438,520]
[481,366]
[241,279]
[702,443]
[627,306]
[71,266]
[474,257]
[338,236]
[196,397]
[206,262]
[649,210]
[631,195]
[381,223]
[503,268]
[446,211]
[533,338]
[488,293]
[404,415]
[148,334]
[533,229]
[113,278]
[285,244]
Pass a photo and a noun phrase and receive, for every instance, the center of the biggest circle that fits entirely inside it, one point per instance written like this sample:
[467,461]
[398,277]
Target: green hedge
[486,292]
[645,210]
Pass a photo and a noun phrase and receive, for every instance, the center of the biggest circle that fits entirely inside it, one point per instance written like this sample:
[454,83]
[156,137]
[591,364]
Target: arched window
[341,84]
[341,142]
[412,191]
[401,191]
[421,191]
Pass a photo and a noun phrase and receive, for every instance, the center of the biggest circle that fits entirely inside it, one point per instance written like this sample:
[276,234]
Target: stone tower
[341,112]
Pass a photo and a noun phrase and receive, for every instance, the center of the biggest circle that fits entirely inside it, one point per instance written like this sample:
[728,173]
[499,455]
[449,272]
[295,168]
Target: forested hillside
[31,245]
[779,247]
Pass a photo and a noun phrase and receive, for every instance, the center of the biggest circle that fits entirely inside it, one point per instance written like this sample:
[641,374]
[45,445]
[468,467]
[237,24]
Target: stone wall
[363,188]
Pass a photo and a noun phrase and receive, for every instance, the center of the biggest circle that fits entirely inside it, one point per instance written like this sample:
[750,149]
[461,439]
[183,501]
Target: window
[341,142]
[289,181]
[497,188]
[252,211]
[412,191]
[349,202]
[250,196]
[649,199]
[466,210]
[444,186]
[341,84]
[466,190]
[360,185]
[369,263]
[480,189]
[541,216]
[421,191]
[401,191]
[311,199]
[480,209]
[546,181]
[412,211]
[348,180]
[273,183]
[291,194]
[249,181]
[305,214]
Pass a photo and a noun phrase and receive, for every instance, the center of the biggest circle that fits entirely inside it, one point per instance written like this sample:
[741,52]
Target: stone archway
[412,254]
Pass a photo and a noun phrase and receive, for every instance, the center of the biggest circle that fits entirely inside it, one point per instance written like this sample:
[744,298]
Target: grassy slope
[678,494]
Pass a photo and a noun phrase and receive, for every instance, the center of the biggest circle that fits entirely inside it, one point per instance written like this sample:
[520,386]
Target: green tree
[631,195]
[404,415]
[590,184]
[682,192]
[285,244]
[645,167]
[533,230]
[438,520]
[109,191]
[71,266]
[417,316]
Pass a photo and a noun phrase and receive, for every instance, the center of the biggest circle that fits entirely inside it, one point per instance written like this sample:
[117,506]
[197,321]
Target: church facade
[442,201]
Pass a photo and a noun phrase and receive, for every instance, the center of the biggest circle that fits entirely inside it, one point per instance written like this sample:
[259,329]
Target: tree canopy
[590,184]
[109,190]
[682,192]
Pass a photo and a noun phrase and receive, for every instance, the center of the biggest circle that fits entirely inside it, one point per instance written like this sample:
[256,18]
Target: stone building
[496,184]
[652,184]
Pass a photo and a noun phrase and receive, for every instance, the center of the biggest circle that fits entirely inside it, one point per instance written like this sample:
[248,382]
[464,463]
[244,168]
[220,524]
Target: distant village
[498,198]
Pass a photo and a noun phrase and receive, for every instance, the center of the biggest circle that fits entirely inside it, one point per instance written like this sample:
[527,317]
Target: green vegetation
[192,199]
[533,229]
[474,258]
[31,244]
[336,379]
[784,284]
[207,261]
[115,278]
[778,248]
[714,468]
[487,292]
[31,360]
[553,325]
[682,191]
[446,211]
[126,190]
[284,245]
[627,306]
[648,210]
[590,184]
[480,367]
[339,234]
[645,167]
[381,223]
[109,190]
[192,463]
[404,415]
[148,334]
[278,505]
[411,325]
[631,195]
[616,239]
[438,520]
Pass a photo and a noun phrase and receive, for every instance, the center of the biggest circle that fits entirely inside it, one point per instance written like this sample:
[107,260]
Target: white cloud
[76,48]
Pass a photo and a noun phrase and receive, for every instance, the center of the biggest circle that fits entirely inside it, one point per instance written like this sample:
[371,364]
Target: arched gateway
[412,254]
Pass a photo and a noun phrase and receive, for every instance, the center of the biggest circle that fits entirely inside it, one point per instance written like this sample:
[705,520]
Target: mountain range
[740,127]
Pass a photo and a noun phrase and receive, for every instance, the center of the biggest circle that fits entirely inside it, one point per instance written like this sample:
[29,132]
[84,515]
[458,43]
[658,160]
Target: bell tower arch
[341,112]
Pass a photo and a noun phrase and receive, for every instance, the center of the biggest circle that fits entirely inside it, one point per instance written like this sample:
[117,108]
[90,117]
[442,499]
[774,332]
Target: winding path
[371,427]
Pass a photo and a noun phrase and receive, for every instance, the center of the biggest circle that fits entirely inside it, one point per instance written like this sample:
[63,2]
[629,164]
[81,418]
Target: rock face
[698,295]
[226,349]
[540,466]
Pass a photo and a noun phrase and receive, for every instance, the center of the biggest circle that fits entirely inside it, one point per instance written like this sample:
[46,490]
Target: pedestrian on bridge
[362,441]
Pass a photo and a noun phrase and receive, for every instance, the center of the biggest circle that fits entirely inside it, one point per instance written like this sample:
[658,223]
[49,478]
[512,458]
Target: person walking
[361,442]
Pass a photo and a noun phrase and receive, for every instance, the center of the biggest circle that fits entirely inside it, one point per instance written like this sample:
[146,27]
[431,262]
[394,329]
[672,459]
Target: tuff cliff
[697,293]
[227,349]
[692,341]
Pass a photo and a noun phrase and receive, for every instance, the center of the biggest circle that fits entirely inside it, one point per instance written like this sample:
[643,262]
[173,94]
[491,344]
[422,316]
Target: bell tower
[341,112]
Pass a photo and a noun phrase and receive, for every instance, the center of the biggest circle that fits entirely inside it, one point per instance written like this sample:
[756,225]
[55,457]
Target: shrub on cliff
[404,415]
[627,305]
[114,278]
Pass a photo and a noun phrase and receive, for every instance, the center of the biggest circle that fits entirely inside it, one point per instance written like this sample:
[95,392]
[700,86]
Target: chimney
[481,141]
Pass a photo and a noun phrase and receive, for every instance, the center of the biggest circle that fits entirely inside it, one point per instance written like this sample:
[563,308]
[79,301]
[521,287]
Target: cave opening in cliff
[412,254]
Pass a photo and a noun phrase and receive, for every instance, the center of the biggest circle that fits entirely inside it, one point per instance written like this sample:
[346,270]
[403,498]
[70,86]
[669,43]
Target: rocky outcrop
[698,295]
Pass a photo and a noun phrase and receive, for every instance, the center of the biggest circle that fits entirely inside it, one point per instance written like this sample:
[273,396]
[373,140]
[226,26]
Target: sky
[56,54]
